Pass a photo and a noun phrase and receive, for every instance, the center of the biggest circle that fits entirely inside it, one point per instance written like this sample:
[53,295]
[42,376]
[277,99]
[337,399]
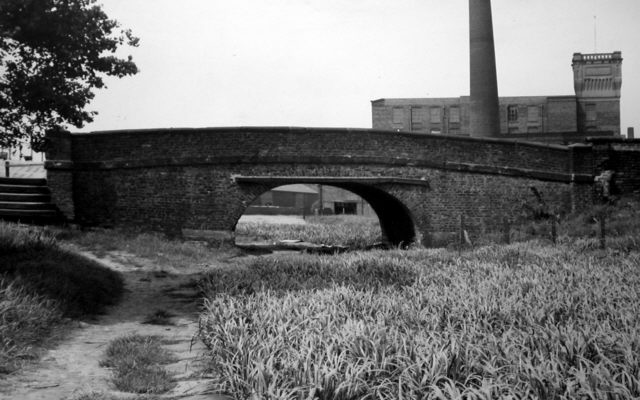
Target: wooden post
[6,169]
[554,230]
[506,231]
[321,200]
[603,234]
[461,233]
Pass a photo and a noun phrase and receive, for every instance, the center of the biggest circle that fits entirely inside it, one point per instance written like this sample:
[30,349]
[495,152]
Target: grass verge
[41,285]
[137,363]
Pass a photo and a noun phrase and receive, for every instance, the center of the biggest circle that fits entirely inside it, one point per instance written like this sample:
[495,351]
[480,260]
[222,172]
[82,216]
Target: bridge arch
[396,220]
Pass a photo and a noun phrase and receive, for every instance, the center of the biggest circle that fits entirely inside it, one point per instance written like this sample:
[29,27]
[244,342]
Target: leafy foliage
[53,53]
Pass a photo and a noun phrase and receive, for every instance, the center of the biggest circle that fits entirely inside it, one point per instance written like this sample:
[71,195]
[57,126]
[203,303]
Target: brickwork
[137,149]
[561,114]
[606,115]
[418,185]
[621,156]
[171,199]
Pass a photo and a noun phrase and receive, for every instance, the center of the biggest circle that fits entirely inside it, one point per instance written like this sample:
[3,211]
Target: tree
[53,54]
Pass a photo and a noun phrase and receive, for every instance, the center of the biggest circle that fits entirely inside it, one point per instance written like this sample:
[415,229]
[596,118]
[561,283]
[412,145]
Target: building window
[512,113]
[416,118]
[436,131]
[345,207]
[533,113]
[398,115]
[513,129]
[434,113]
[533,129]
[591,114]
[454,115]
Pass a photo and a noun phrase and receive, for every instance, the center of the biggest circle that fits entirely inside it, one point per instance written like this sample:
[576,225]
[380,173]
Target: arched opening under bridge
[338,212]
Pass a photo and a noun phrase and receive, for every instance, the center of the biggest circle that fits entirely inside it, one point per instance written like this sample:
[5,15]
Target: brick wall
[133,149]
[621,156]
[607,115]
[562,114]
[177,179]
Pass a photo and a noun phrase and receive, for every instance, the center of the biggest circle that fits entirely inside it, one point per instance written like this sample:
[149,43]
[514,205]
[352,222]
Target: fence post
[554,229]
[506,231]
[461,233]
[6,169]
[603,234]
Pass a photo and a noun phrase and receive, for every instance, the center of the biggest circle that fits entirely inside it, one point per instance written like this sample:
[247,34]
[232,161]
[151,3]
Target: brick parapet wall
[131,149]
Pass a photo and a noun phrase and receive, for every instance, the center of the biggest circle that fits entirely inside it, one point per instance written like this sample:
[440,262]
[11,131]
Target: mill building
[594,109]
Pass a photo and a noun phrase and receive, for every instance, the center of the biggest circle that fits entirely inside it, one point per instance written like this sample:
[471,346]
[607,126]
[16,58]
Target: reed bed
[352,231]
[519,321]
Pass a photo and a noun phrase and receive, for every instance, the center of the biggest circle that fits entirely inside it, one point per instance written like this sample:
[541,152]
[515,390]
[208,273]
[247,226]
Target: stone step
[27,200]
[11,213]
[7,188]
[47,217]
[23,181]
[26,205]
[29,197]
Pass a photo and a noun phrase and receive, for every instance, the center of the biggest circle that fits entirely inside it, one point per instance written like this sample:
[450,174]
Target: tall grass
[40,284]
[518,321]
[352,231]
[137,363]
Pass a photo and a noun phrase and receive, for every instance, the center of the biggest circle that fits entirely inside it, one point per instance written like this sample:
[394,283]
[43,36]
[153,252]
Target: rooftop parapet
[597,75]
[597,57]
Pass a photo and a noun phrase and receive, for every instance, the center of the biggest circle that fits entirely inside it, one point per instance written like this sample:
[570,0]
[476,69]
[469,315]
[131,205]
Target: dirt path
[72,367]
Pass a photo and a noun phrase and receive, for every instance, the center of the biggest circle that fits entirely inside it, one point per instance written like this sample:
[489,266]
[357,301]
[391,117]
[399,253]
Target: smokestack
[485,114]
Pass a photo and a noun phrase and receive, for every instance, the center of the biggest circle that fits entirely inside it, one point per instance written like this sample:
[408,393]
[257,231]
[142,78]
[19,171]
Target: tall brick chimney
[484,113]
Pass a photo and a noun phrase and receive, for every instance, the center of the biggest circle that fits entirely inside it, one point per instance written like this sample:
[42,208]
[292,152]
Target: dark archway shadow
[395,218]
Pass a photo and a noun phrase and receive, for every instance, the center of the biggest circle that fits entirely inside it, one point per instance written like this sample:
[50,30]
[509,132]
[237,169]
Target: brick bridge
[174,180]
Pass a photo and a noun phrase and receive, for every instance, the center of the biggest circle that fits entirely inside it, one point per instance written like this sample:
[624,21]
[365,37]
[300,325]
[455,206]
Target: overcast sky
[321,62]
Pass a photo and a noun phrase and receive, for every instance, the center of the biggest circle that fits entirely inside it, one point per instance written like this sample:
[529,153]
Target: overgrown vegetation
[353,231]
[621,227]
[40,286]
[526,320]
[137,363]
